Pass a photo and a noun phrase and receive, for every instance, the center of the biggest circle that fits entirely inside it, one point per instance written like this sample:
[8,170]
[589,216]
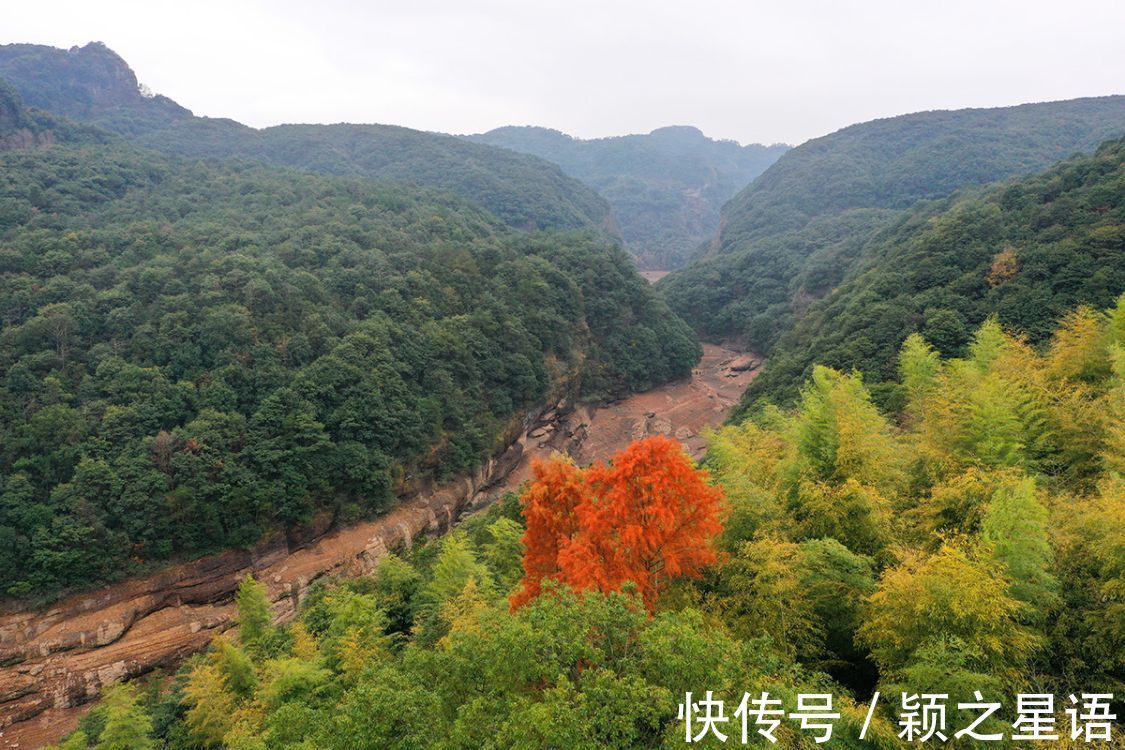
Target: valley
[684,410]
[352,435]
[653,276]
[59,658]
[664,188]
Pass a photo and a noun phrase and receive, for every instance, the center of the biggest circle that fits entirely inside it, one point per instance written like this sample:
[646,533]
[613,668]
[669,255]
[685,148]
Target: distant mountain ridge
[896,161]
[92,84]
[666,188]
[800,228]
[1027,250]
[394,335]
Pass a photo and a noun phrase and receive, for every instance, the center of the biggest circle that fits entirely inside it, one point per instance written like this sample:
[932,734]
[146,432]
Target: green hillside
[92,84]
[22,128]
[665,188]
[1027,251]
[894,162]
[973,547]
[797,230]
[192,353]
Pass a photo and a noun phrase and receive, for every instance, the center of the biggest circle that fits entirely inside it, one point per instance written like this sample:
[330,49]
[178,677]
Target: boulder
[744,363]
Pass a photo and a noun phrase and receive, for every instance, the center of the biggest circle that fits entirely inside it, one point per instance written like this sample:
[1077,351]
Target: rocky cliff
[83,83]
[18,131]
[55,660]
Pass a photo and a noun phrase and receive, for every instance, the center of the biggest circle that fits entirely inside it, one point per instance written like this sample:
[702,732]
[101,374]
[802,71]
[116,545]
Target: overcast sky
[748,70]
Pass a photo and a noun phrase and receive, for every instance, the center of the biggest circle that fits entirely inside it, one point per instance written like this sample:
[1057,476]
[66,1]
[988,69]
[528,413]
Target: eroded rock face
[57,659]
[60,657]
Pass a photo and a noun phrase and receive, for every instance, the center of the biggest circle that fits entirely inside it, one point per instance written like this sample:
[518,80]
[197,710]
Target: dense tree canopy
[896,161]
[925,491]
[947,550]
[665,187]
[92,84]
[840,201]
[971,520]
[193,352]
[1028,252]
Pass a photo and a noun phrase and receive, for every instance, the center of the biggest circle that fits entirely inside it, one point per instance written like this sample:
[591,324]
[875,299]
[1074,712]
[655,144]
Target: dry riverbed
[57,659]
[684,410]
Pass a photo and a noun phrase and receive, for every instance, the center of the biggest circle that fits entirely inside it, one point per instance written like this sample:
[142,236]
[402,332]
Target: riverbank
[57,660]
[684,410]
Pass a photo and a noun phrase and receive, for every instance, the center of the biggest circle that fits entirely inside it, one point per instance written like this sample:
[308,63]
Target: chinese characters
[920,717]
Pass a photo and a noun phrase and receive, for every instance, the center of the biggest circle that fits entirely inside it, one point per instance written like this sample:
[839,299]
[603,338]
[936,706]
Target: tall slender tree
[649,516]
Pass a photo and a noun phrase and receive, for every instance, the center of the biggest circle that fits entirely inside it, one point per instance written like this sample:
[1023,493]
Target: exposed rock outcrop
[58,658]
[745,363]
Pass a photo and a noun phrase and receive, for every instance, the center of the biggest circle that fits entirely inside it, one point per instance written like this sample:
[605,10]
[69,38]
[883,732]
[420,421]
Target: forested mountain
[665,188]
[18,128]
[1027,251]
[23,128]
[972,546]
[797,230]
[924,491]
[193,352]
[93,84]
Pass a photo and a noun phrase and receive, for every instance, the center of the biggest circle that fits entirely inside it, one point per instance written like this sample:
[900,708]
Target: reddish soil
[683,410]
[58,659]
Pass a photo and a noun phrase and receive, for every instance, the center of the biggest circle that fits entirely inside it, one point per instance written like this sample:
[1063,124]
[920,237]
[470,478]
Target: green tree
[1088,635]
[236,667]
[254,615]
[397,587]
[761,593]
[950,594]
[357,631]
[919,365]
[840,435]
[127,724]
[76,740]
[835,582]
[455,566]
[503,553]
[1113,453]
[1015,527]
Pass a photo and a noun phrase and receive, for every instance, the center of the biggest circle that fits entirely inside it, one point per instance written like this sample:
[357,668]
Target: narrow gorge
[57,659]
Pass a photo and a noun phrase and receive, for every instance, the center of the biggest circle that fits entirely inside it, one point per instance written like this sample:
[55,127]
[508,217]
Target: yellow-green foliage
[211,705]
[127,725]
[840,435]
[976,541]
[1113,449]
[1088,537]
[951,593]
[991,512]
[254,617]
[831,469]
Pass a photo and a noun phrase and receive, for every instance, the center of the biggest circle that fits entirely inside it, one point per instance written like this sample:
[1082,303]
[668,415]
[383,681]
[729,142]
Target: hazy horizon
[752,73]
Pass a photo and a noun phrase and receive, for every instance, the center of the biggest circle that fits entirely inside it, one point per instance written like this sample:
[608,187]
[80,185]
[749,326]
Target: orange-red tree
[648,516]
[557,489]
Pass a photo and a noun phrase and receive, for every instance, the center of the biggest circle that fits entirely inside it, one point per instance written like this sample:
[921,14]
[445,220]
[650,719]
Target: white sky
[748,70]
